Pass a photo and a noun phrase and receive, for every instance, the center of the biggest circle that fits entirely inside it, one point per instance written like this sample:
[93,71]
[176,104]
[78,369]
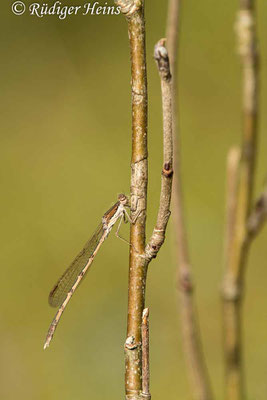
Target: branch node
[166,173]
[231,291]
[130,343]
[167,170]
[162,59]
[258,215]
[185,281]
[152,251]
[146,396]
[244,28]
[134,396]
[129,7]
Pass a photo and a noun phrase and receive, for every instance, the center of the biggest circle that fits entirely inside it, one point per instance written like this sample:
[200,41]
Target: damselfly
[69,281]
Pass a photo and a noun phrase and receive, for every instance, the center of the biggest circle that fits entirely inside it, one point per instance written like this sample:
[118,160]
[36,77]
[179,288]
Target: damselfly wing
[70,280]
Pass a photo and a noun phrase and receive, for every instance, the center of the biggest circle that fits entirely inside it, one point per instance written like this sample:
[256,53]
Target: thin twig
[236,260]
[158,235]
[145,355]
[191,336]
[134,13]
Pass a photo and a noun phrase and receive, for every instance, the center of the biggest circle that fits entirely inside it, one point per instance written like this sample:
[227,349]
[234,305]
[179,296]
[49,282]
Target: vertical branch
[134,13]
[236,258]
[145,355]
[191,335]
[158,235]
[141,255]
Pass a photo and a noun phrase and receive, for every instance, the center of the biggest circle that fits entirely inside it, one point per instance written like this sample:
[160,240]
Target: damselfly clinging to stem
[69,281]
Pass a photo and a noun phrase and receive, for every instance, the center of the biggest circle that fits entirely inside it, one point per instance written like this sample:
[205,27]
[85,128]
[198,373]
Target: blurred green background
[64,157]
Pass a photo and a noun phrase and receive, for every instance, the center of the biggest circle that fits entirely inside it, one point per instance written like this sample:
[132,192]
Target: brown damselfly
[62,292]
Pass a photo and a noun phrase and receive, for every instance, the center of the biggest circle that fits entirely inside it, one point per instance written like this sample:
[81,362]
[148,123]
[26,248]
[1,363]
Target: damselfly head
[123,199]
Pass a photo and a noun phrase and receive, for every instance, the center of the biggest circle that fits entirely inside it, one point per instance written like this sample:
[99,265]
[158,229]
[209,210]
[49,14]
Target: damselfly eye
[123,199]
